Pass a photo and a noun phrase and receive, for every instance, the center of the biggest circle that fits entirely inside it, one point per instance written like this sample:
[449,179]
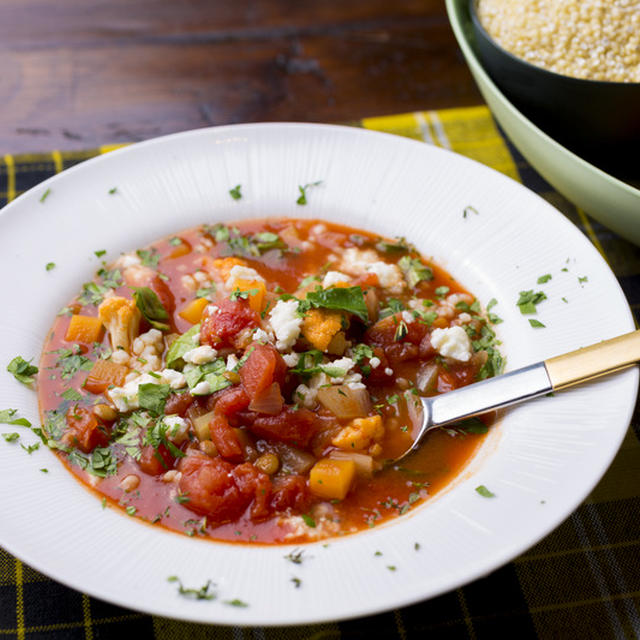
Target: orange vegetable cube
[103,374]
[224,265]
[257,290]
[180,250]
[320,326]
[332,479]
[192,312]
[86,329]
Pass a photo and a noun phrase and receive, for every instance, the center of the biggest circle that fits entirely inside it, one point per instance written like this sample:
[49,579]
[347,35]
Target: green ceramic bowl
[611,201]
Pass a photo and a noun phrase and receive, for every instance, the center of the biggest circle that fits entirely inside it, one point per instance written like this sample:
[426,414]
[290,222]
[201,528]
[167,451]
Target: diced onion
[365,464]
[201,426]
[414,409]
[294,460]
[426,377]
[269,401]
[345,402]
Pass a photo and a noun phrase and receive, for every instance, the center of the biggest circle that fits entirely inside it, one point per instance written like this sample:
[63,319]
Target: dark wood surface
[81,73]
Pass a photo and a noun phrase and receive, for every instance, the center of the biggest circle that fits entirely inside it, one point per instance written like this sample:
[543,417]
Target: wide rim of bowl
[508,550]
[543,71]
[453,9]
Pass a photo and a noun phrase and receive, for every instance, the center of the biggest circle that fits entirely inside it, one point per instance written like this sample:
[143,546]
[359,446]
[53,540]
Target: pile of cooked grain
[592,39]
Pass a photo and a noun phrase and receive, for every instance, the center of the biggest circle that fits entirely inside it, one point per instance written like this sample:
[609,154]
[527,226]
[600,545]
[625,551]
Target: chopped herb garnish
[45,195]
[11,437]
[309,521]
[22,370]
[391,567]
[151,307]
[202,593]
[583,279]
[182,498]
[100,252]
[302,200]
[350,299]
[416,546]
[401,331]
[545,278]
[104,502]
[296,556]
[6,417]
[236,603]
[469,209]
[297,582]
[529,299]
[536,324]
[44,470]
[131,510]
[235,192]
[205,292]
[378,553]
[175,241]
[149,257]
[112,190]
[50,265]
[414,271]
[484,492]
[442,291]
[30,448]
[70,361]
[399,246]
[153,397]
[564,300]
[72,395]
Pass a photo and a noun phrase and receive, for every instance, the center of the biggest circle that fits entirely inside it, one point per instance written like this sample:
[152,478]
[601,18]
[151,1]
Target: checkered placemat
[582,581]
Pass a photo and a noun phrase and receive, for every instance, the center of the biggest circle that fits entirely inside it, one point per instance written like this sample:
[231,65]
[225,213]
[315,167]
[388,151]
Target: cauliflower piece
[121,318]
[320,326]
[333,278]
[452,342]
[177,428]
[360,433]
[200,355]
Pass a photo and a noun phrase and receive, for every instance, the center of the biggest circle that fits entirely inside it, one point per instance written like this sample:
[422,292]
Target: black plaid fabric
[582,581]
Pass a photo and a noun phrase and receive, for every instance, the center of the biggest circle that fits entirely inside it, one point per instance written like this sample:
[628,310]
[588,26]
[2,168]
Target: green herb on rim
[6,417]
[545,278]
[11,437]
[528,301]
[302,199]
[50,265]
[236,603]
[112,190]
[469,209]
[536,324]
[45,195]
[235,192]
[202,593]
[484,492]
[22,370]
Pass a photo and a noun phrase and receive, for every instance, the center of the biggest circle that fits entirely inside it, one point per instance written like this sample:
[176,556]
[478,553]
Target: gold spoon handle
[594,361]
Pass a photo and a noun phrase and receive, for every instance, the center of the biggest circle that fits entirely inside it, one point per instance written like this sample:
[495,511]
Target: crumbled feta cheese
[308,392]
[286,323]
[200,355]
[407,316]
[261,335]
[388,371]
[452,342]
[173,378]
[201,389]
[389,276]
[232,362]
[126,398]
[239,272]
[177,428]
[291,359]
[374,362]
[343,365]
[356,261]
[334,277]
[127,260]
[464,318]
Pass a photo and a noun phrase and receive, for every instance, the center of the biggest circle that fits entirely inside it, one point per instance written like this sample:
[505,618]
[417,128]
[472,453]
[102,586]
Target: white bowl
[540,461]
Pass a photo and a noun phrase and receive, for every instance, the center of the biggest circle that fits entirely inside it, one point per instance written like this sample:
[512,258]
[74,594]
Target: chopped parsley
[484,492]
[297,582]
[45,195]
[236,603]
[401,331]
[237,244]
[469,209]
[72,395]
[296,556]
[151,308]
[414,271]
[22,370]
[112,190]
[70,361]
[441,292]
[99,253]
[528,301]
[205,292]
[536,324]
[11,437]
[235,192]
[399,246]
[302,199]
[30,448]
[100,462]
[202,593]
[149,257]
[131,510]
[50,265]
[153,397]
[350,299]
[583,279]
[545,278]
[309,521]
[6,417]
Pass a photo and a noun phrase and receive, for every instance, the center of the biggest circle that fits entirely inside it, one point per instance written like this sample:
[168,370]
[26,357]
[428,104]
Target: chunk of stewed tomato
[290,492]
[155,461]
[293,426]
[257,485]
[231,400]
[220,328]
[263,367]
[84,430]
[225,439]
[211,488]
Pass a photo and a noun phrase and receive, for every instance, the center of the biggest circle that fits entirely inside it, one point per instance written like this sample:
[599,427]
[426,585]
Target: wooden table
[81,73]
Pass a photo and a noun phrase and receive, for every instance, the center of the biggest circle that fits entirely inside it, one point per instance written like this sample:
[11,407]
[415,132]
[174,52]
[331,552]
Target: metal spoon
[529,382]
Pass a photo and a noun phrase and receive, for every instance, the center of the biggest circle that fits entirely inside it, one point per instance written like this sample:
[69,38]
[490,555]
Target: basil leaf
[153,397]
[151,307]
[350,299]
[187,341]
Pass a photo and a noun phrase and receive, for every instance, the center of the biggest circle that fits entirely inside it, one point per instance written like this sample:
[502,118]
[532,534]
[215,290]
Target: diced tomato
[292,426]
[263,367]
[253,482]
[178,403]
[220,328]
[85,432]
[225,439]
[426,349]
[446,382]
[155,461]
[231,400]
[401,351]
[211,488]
[290,492]
[465,375]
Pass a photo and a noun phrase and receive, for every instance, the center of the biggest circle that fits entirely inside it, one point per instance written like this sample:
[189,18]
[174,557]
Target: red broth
[259,448]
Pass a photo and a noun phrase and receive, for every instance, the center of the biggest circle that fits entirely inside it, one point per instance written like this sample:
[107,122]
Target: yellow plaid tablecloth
[582,581]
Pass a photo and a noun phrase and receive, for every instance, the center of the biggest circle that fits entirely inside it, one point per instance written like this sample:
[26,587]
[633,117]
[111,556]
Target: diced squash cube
[103,374]
[359,433]
[332,479]
[320,326]
[192,312]
[257,290]
[85,329]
